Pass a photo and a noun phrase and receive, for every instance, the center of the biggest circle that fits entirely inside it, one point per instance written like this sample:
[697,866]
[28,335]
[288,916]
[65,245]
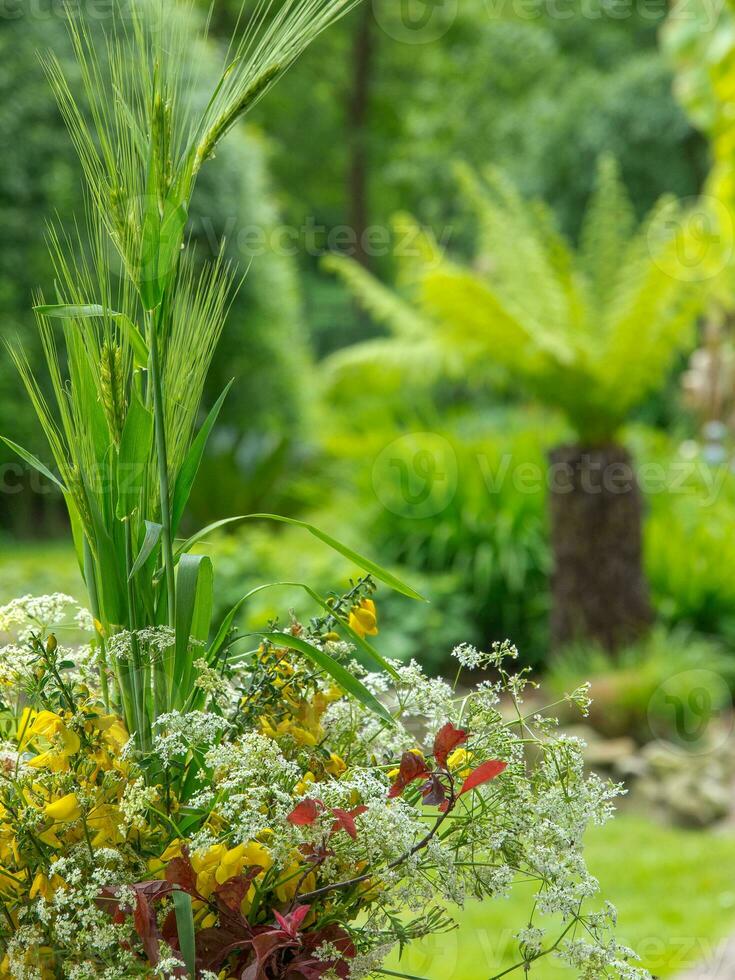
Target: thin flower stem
[91,583]
[404,976]
[538,956]
[424,842]
[137,674]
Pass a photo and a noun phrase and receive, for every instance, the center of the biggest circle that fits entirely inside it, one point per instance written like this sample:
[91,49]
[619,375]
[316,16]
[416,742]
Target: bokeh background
[398,351]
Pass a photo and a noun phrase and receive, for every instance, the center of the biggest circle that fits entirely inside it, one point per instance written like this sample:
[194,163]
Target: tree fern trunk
[599,589]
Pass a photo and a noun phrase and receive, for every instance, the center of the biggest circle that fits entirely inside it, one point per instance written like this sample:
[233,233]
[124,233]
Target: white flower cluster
[136,799]
[153,642]
[177,732]
[215,684]
[41,614]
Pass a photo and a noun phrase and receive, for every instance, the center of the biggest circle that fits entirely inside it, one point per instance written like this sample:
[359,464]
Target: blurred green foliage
[628,692]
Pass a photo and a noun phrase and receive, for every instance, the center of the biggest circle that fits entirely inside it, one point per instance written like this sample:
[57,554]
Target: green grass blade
[360,643]
[366,564]
[347,681]
[33,461]
[185,930]
[194,601]
[196,538]
[68,311]
[133,336]
[192,462]
[152,537]
[135,450]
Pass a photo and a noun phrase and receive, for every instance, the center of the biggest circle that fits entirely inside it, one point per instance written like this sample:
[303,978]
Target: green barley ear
[112,388]
[224,124]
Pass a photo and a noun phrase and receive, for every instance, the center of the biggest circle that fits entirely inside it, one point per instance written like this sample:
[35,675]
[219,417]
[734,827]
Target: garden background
[407,426]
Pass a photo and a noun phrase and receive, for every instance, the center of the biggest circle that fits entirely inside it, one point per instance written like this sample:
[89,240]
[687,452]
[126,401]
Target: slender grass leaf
[190,466]
[347,681]
[148,283]
[133,336]
[34,462]
[133,455]
[185,930]
[152,536]
[70,312]
[366,564]
[170,238]
[194,601]
[195,538]
[360,643]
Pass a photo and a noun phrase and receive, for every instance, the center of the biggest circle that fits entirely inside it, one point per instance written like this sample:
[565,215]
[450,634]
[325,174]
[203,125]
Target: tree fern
[591,331]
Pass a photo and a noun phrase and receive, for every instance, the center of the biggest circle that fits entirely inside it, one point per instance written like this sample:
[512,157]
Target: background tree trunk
[599,590]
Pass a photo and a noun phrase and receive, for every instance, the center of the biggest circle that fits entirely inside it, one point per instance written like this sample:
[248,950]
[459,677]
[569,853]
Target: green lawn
[674,890]
[39,569]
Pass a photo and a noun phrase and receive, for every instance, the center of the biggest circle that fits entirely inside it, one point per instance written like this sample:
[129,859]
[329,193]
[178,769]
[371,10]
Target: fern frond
[384,305]
[607,228]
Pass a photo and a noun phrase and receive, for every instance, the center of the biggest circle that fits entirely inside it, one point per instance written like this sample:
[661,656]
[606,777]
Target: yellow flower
[205,865]
[44,886]
[336,765]
[66,808]
[240,857]
[364,619]
[52,727]
[459,762]
[105,821]
[292,879]
[302,786]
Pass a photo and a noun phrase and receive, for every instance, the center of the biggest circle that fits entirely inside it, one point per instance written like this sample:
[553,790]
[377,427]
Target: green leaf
[347,681]
[195,538]
[152,536]
[34,462]
[185,930]
[70,312]
[170,237]
[366,564]
[190,466]
[361,644]
[194,601]
[133,336]
[133,455]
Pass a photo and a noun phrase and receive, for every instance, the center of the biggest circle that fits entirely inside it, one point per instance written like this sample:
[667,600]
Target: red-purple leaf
[144,919]
[180,872]
[305,813]
[483,774]
[291,923]
[433,792]
[345,820]
[412,767]
[447,740]
[229,894]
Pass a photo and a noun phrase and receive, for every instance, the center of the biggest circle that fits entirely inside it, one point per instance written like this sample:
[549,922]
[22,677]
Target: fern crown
[590,331]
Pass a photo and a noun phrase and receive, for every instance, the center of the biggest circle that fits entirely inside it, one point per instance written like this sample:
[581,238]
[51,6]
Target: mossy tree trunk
[599,590]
